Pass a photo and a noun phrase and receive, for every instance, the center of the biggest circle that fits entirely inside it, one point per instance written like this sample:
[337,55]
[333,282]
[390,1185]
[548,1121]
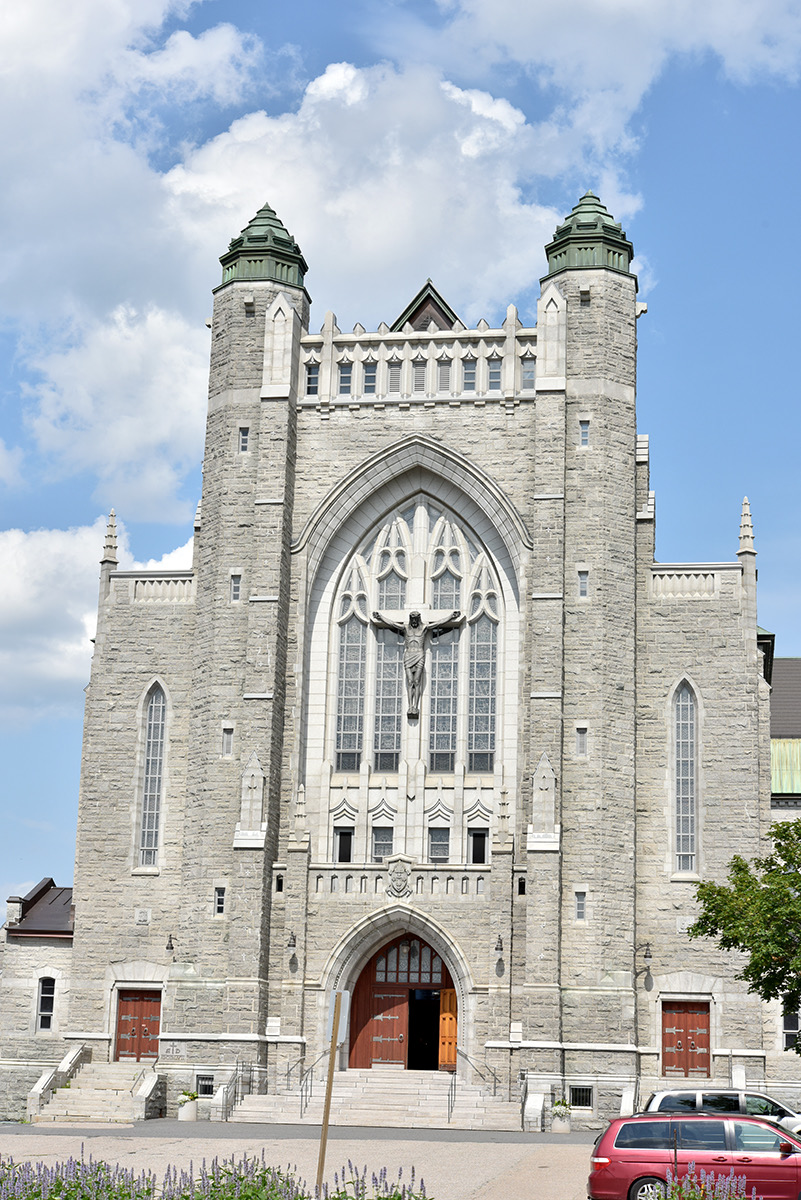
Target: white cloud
[48,612]
[127,402]
[385,167]
[218,63]
[602,56]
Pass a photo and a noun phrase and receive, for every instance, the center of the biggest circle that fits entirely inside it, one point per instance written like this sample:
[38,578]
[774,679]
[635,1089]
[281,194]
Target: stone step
[387,1098]
[98,1092]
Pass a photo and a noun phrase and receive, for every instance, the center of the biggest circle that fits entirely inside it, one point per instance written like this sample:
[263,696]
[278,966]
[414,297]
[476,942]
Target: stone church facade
[425,721]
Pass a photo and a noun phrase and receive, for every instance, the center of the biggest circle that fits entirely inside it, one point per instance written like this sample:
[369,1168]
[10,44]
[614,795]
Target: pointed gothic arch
[151,772]
[684,739]
[394,464]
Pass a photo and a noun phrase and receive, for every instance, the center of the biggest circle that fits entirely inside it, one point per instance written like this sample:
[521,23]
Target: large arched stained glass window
[685,720]
[153,777]
[422,559]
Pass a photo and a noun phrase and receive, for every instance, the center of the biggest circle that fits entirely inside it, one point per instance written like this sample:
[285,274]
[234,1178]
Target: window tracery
[421,561]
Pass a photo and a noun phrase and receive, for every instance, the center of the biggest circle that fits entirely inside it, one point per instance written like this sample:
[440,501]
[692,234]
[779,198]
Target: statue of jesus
[416,636]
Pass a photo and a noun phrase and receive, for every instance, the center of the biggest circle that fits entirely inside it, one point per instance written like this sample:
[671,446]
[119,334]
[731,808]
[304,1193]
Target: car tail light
[598,1164]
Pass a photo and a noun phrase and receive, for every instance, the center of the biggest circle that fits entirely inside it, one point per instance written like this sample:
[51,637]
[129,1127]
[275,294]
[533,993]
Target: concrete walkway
[455,1164]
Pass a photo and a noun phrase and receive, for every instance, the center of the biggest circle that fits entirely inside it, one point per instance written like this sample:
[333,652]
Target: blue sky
[397,140]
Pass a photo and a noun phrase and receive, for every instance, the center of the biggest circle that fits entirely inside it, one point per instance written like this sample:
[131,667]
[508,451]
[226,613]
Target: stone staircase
[99,1092]
[389,1097]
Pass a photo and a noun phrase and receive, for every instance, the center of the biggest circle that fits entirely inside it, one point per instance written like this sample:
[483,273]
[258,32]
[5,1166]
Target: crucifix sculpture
[416,635]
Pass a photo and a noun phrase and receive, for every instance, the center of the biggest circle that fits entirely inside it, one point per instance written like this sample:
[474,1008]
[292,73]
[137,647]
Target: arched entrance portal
[404,1009]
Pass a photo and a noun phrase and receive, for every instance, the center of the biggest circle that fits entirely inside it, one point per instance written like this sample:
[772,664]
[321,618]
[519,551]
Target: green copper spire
[589,237]
[264,250]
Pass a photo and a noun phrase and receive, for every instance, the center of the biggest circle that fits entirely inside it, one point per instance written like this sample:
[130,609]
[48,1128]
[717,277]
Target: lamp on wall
[645,970]
[292,943]
[170,947]
[499,946]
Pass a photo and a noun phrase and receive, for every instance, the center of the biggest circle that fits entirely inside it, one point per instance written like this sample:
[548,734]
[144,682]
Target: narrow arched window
[352,673]
[685,723]
[153,778]
[45,1003]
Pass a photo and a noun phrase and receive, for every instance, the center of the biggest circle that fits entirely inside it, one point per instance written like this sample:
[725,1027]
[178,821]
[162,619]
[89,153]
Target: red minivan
[632,1157]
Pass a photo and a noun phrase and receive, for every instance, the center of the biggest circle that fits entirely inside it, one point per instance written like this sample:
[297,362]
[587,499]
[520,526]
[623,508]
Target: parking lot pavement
[455,1164]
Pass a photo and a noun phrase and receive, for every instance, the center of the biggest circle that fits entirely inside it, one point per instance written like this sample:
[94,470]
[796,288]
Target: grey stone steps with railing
[98,1092]
[387,1098]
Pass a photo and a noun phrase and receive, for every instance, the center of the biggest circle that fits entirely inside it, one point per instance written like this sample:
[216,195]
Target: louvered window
[153,778]
[419,375]
[685,733]
[444,375]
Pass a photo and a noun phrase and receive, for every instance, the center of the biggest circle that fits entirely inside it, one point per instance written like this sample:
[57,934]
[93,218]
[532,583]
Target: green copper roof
[264,250]
[589,237]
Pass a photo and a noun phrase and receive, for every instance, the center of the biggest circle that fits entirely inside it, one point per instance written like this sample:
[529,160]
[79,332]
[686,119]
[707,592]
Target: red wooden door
[379,1012]
[685,1038]
[138,1022]
[389,1025]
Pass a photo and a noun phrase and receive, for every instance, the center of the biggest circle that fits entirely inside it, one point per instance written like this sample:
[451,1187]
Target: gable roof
[427,306]
[46,911]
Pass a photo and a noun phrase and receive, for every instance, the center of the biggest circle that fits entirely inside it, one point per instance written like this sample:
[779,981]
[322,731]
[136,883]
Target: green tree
[759,913]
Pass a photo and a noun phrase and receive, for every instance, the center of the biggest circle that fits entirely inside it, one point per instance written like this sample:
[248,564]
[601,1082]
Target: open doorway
[404,1010]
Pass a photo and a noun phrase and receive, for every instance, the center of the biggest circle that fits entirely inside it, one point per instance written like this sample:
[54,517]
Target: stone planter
[560,1124]
[188,1111]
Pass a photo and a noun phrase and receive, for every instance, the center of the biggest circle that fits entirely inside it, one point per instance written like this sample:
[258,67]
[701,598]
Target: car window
[762,1106]
[720,1102]
[643,1135]
[756,1137]
[677,1102]
[701,1135]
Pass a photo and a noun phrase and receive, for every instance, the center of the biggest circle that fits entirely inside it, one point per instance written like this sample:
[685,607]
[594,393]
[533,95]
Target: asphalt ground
[455,1164]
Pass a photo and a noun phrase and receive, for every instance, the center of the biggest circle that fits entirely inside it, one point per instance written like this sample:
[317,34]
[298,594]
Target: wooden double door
[404,1010]
[138,1024]
[685,1038]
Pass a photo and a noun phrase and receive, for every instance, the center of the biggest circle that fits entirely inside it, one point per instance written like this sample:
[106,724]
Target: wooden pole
[328,1089]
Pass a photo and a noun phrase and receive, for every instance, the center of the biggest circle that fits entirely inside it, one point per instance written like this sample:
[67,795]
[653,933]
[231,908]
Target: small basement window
[581,1097]
[204,1085]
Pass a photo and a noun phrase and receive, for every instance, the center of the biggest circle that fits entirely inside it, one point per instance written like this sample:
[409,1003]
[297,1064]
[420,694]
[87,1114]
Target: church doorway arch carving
[404,1010]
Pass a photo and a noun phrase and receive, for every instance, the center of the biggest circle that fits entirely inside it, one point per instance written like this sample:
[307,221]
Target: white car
[725,1100]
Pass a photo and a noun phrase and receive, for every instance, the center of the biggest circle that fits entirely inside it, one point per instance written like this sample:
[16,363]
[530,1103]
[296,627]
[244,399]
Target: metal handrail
[476,1067]
[451,1095]
[139,1079]
[230,1088]
[307,1083]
